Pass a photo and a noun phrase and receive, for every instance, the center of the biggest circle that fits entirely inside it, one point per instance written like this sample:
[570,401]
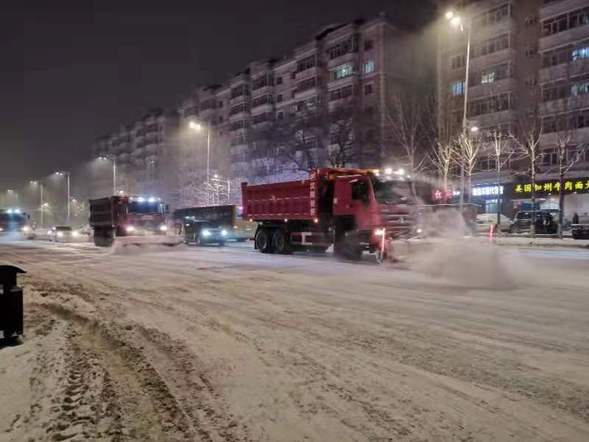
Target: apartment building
[529,61]
[139,151]
[355,66]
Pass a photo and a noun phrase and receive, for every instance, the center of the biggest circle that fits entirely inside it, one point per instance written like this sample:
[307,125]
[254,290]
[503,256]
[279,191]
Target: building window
[368,89]
[566,21]
[341,72]
[304,85]
[489,105]
[306,63]
[278,80]
[457,88]
[264,99]
[340,93]
[492,16]
[580,89]
[278,98]
[580,53]
[239,91]
[369,67]
[345,47]
[490,46]
[488,77]
[368,45]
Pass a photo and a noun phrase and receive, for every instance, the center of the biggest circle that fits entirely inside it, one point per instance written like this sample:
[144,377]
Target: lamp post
[114,171]
[41,202]
[198,127]
[456,21]
[67,175]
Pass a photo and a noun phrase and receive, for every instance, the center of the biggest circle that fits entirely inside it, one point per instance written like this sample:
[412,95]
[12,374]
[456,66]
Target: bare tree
[442,157]
[409,119]
[527,143]
[468,156]
[502,152]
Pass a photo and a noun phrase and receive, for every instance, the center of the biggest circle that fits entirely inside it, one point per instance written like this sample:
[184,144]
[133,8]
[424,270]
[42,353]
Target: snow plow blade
[158,240]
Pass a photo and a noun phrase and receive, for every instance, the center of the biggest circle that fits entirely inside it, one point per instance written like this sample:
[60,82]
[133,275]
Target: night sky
[73,70]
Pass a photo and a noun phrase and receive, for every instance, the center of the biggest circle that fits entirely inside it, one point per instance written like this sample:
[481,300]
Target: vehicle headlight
[379,232]
[419,230]
[206,232]
[224,232]
[26,229]
[130,228]
[1,229]
[59,234]
[75,233]
[163,228]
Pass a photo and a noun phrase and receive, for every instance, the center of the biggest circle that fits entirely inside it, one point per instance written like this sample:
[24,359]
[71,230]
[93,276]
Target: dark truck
[353,209]
[126,216]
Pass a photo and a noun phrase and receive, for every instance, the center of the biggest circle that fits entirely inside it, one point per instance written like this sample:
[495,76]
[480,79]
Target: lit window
[581,53]
[342,71]
[369,67]
[580,89]
[457,88]
[488,77]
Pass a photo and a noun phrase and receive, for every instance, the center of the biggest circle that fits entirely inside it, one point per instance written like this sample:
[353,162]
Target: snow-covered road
[463,341]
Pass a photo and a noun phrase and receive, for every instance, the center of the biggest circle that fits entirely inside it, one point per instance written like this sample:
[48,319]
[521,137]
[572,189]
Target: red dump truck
[353,209]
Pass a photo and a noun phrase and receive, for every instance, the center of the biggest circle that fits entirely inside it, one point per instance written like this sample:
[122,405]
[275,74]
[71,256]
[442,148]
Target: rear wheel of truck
[263,240]
[280,242]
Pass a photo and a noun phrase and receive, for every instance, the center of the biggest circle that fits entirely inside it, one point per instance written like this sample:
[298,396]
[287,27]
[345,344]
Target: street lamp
[67,175]
[42,204]
[198,127]
[114,171]
[456,21]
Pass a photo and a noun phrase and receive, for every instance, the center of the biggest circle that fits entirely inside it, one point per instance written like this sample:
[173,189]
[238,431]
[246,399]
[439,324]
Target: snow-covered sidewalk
[524,241]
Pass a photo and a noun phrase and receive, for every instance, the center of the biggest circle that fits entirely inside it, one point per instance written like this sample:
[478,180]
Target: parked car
[484,221]
[580,229]
[545,223]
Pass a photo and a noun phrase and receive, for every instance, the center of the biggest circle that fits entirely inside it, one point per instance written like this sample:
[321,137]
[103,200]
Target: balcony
[497,87]
[479,63]
[563,38]
[563,70]
[560,7]
[564,104]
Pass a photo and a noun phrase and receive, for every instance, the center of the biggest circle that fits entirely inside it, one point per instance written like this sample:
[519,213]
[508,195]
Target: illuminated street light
[41,202]
[457,22]
[198,127]
[67,175]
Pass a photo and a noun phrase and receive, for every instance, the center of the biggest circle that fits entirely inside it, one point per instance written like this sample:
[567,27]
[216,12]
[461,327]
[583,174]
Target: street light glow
[195,126]
[449,15]
[474,129]
[456,21]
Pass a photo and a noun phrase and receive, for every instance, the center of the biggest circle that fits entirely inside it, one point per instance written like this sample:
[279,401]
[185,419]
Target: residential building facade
[529,65]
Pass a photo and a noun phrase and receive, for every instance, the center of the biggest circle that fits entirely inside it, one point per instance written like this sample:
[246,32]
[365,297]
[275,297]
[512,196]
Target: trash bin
[11,302]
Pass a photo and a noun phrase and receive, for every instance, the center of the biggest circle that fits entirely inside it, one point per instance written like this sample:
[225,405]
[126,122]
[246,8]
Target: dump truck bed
[292,200]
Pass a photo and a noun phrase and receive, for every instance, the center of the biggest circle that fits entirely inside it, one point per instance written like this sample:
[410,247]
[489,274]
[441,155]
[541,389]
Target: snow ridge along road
[465,343]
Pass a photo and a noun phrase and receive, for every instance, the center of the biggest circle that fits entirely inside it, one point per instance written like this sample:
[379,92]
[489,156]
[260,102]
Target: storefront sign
[577,185]
[487,190]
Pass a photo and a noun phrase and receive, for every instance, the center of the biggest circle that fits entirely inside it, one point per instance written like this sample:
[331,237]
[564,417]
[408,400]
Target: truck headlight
[26,229]
[223,232]
[206,232]
[379,232]
[163,228]
[75,234]
[130,228]
[59,234]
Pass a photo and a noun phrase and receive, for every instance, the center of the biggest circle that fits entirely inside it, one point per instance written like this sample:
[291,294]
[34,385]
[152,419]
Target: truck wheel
[280,242]
[263,241]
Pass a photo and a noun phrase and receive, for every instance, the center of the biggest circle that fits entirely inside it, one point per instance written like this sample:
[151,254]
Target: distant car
[64,234]
[484,221]
[545,224]
[202,232]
